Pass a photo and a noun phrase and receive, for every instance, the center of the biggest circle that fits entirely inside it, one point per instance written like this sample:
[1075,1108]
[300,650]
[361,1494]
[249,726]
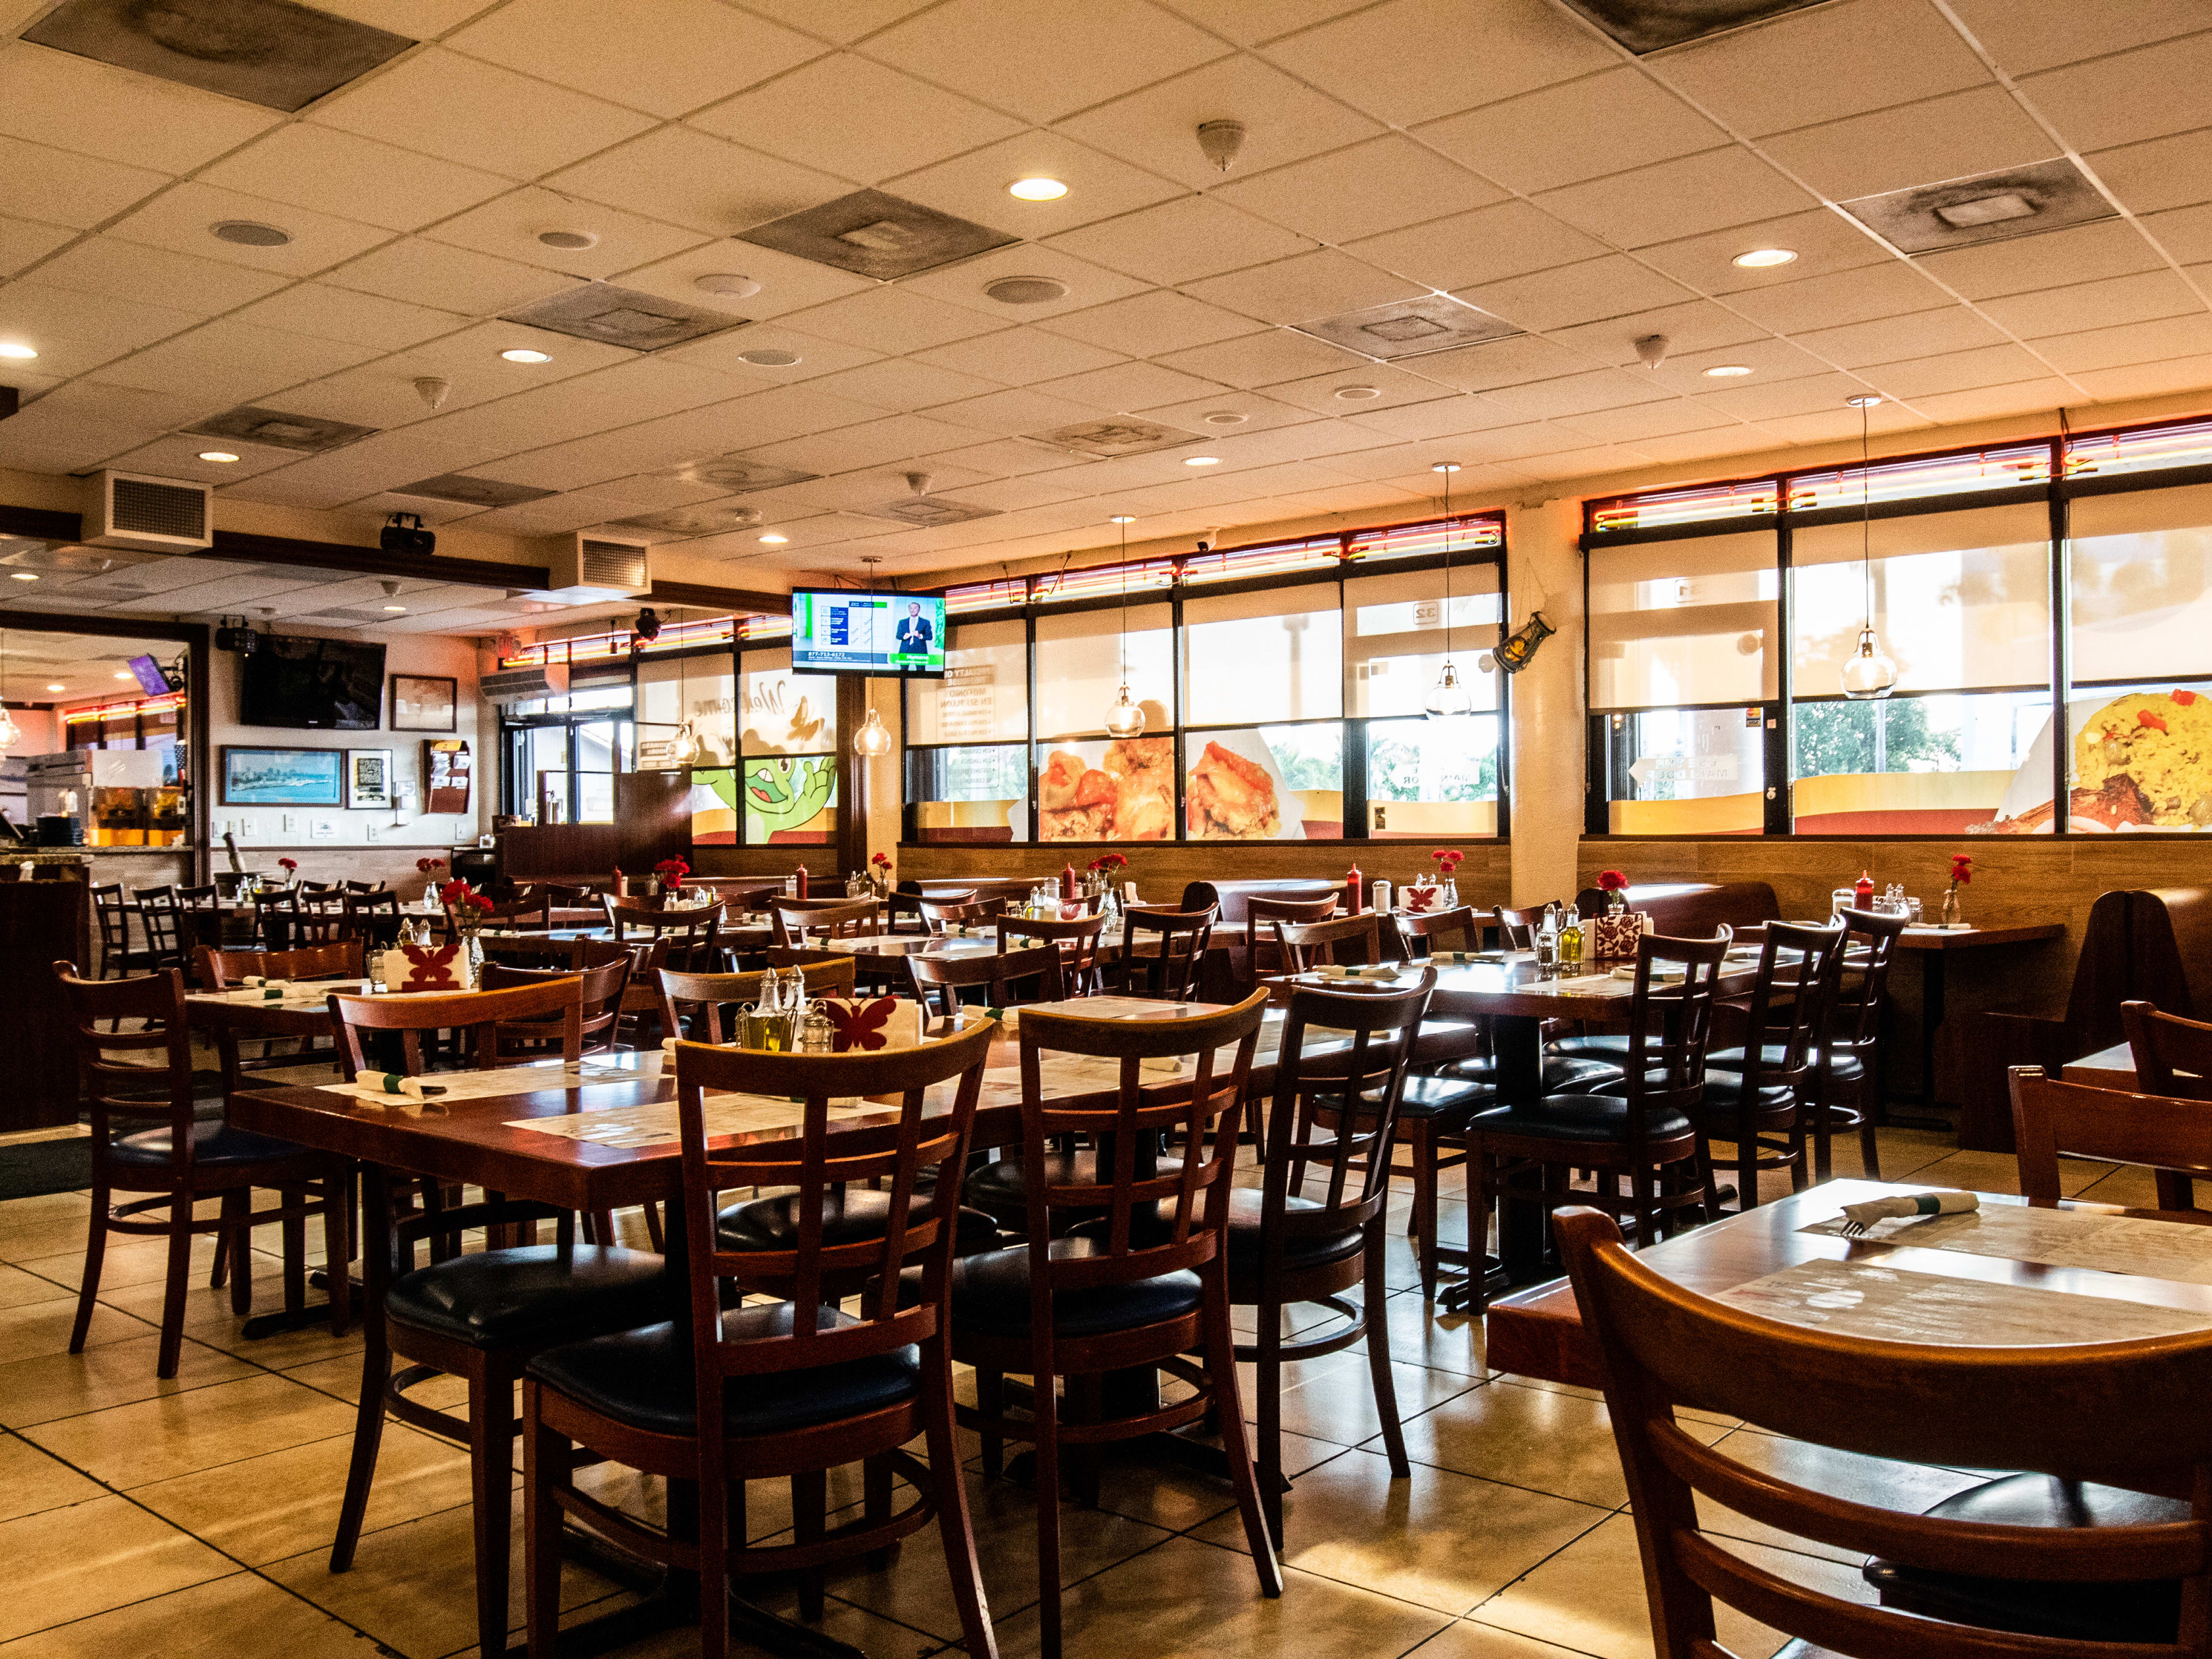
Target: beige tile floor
[192,1517]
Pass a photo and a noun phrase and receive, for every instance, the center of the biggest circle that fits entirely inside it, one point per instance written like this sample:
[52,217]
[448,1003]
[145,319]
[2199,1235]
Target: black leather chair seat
[1731,1059]
[991,1295]
[643,1378]
[848,1218]
[2147,1610]
[1448,1099]
[1724,1096]
[213,1144]
[1845,1065]
[1595,1045]
[1000,1186]
[1560,1071]
[1294,1253]
[1581,1117]
[526,1296]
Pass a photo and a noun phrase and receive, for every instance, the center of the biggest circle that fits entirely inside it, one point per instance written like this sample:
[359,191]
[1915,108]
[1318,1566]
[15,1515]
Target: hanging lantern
[1449,698]
[873,738]
[1869,673]
[1125,719]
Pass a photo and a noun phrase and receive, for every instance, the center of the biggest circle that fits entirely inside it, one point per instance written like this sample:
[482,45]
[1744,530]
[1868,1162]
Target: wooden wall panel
[1162,869]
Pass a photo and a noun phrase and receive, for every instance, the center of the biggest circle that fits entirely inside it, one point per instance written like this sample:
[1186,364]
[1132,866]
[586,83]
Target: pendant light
[1869,674]
[1449,698]
[10,733]
[1125,719]
[690,749]
[873,738]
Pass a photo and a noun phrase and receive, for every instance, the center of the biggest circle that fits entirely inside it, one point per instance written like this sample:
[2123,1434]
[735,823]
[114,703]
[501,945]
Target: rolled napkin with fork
[1462,955]
[1910,1204]
[273,990]
[1338,970]
[397,1082]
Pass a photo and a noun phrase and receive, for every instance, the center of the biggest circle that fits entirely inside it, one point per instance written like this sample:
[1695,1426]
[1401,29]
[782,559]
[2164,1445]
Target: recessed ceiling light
[1037,190]
[127,675]
[57,688]
[524,355]
[1726,371]
[1201,460]
[1358,394]
[1864,400]
[726,283]
[774,540]
[20,353]
[220,457]
[1122,518]
[395,607]
[249,233]
[1760,257]
[769,357]
[24,575]
[1026,290]
[1444,466]
[569,241]
[1226,417]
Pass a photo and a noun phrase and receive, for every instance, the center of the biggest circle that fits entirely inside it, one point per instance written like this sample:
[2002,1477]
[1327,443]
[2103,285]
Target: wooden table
[1539,1333]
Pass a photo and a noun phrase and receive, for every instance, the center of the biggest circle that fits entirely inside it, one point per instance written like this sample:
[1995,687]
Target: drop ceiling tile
[668,56]
[1009,458]
[2027,35]
[1316,394]
[305,165]
[1305,287]
[1046,59]
[2163,173]
[902,383]
[1183,240]
[858,119]
[509,227]
[1260,413]
[2112,247]
[892,320]
[479,114]
[182,219]
[1020,356]
[1262,359]
[699,181]
[2185,232]
[1638,424]
[1485,245]
[1364,190]
[1988,403]
[1707,191]
[788,283]
[964,283]
[1148,324]
[126,270]
[1805,395]
[790,411]
[73,332]
[1769,359]
[1735,439]
[1577,394]
[1890,289]
[1918,378]
[233,361]
[1562,135]
[1015,494]
[2105,304]
[1409,61]
[1695,326]
[817,356]
[2136,381]
[59,187]
[1503,362]
[2130,343]
[888,442]
[1125,387]
[1823,64]
[2131,96]
[23,242]
[609,398]
[128,407]
[1952,137]
[447,279]
[142,122]
[1011,413]
[1615,286]
[1823,241]
[973,186]
[382,393]
[418,20]
[365,320]
[1439,417]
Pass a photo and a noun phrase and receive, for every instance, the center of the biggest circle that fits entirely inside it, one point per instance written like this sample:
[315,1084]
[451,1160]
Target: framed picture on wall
[369,779]
[284,777]
[424,702]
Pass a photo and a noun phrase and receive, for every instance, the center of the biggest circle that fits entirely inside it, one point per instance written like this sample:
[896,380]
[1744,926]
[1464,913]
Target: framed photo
[284,777]
[369,779]
[423,702]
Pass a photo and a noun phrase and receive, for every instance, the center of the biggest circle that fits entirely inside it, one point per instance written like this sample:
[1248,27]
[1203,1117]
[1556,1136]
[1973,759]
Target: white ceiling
[84,665]
[1502,151]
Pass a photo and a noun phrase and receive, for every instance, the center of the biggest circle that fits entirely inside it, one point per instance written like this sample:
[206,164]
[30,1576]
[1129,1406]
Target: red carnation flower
[1611,881]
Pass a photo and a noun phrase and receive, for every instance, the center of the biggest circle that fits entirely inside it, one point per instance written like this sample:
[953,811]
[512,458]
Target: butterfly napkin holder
[1422,895]
[872,1024]
[427,968]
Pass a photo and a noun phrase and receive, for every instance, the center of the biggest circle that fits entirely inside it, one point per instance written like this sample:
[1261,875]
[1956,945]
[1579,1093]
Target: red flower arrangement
[671,870]
[1448,860]
[1962,868]
[427,864]
[881,860]
[1108,861]
[288,865]
[1611,881]
[459,896]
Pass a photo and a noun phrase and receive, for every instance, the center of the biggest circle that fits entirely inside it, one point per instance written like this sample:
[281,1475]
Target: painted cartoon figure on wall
[784,798]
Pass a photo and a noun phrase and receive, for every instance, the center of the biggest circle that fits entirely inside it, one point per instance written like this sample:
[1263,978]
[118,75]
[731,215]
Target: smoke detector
[1651,350]
[727,283]
[1220,141]
[919,483]
[432,389]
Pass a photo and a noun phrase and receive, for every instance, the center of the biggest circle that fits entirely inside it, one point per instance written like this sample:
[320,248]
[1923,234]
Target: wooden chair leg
[1823,1127]
[95,1257]
[1268,1381]
[1870,1146]
[1235,1442]
[491,1481]
[338,1238]
[295,1233]
[1045,1426]
[178,1276]
[1424,1208]
[367,1435]
[991,1404]
[545,1467]
[810,1510]
[875,1502]
[954,1524]
[1375,1313]
[1479,1201]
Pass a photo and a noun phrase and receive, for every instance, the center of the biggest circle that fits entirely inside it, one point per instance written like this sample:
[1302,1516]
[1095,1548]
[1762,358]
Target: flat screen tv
[327,685]
[851,633]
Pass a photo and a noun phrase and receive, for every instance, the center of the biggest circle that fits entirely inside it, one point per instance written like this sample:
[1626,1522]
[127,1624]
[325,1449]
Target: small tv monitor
[151,680]
[851,633]
[330,685]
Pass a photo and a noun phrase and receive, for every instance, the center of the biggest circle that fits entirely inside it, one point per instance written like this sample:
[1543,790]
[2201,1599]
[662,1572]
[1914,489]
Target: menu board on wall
[445,775]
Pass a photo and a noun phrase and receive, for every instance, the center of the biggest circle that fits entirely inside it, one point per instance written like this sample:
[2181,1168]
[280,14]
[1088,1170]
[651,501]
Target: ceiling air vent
[520,685]
[585,568]
[151,515]
[1987,207]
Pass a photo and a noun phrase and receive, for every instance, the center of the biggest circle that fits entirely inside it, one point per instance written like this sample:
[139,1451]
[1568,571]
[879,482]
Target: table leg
[1516,1043]
[1931,1021]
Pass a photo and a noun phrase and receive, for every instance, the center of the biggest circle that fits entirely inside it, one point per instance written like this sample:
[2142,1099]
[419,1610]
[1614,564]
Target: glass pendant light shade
[1448,697]
[1125,719]
[1869,673]
[873,738]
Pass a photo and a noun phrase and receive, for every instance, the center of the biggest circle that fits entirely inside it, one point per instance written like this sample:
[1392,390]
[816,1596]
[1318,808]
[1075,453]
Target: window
[977,794]
[1276,656]
[984,696]
[687,712]
[1081,657]
[1429,780]
[784,789]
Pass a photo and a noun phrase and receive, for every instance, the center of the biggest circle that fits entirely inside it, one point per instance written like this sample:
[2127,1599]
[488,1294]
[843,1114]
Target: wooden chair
[1516,929]
[969,912]
[1853,1064]
[478,1317]
[1768,1087]
[1642,1132]
[1260,950]
[532,908]
[275,913]
[1077,940]
[531,1039]
[791,1389]
[1314,1228]
[692,1004]
[146,1139]
[371,918]
[688,936]
[2173,1057]
[938,981]
[2080,1420]
[2171,1136]
[1145,1282]
[1162,953]
[902,914]
[1437,930]
[120,956]
[220,970]
[163,918]
[1303,946]
[799,923]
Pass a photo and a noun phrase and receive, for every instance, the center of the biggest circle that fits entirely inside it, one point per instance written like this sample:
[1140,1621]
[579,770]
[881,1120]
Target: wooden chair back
[163,919]
[112,909]
[141,1079]
[275,914]
[1262,949]
[1670,1025]
[689,935]
[1305,946]
[1456,929]
[1078,939]
[918,1151]
[1329,1131]
[968,912]
[1146,1219]
[200,898]
[219,971]
[531,909]
[691,1005]
[1161,953]
[358,888]
[1856,1017]
[2121,1413]
[1790,1003]
[1516,929]
[370,916]
[527,952]
[793,956]
[602,1007]
[2053,1120]
[938,980]
[799,923]
[2173,1055]
[475,1013]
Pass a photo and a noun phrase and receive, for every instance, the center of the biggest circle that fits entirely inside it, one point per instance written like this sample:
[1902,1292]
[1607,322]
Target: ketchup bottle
[802,881]
[1355,886]
[1068,883]
[1863,894]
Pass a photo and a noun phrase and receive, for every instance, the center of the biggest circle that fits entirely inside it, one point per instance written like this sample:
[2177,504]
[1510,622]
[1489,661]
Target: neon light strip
[105,711]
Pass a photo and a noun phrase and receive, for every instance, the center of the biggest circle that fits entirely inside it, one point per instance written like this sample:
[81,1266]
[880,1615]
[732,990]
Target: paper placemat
[2055,1238]
[510,1080]
[1896,1304]
[292,993]
[657,1124]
